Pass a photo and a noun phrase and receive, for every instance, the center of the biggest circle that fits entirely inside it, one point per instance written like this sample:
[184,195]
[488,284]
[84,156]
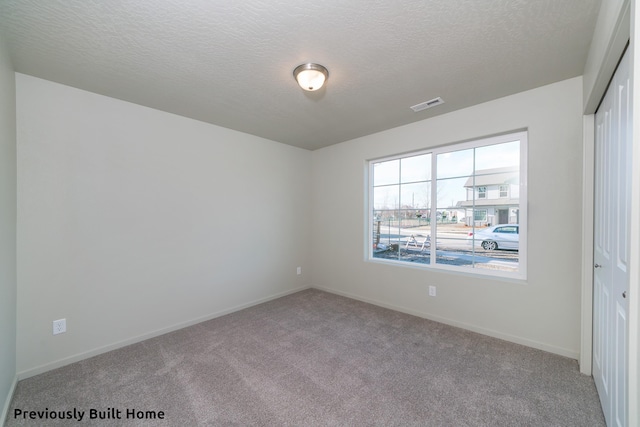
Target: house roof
[495,176]
[231,63]
[488,202]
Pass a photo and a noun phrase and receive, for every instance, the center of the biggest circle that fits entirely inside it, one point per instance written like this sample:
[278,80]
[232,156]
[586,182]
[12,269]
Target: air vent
[427,104]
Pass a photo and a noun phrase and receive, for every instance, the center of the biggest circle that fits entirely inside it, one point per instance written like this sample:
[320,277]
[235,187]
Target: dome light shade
[311,77]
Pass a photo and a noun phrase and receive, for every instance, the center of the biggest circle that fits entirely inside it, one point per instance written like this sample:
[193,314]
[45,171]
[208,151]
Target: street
[452,248]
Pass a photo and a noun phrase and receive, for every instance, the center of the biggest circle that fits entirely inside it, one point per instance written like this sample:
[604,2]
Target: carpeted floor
[315,359]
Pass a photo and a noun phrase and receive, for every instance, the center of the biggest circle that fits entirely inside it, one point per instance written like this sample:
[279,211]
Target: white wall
[134,221]
[544,312]
[7,228]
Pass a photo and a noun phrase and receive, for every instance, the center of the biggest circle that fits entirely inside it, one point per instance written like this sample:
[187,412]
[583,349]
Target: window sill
[515,278]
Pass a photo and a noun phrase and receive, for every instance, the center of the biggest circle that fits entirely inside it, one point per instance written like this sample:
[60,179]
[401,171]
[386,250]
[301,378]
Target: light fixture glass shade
[310,76]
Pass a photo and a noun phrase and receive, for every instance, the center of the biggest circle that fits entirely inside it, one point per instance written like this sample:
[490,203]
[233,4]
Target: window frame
[521,274]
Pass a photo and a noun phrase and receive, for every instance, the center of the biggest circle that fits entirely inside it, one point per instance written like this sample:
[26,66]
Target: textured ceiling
[230,62]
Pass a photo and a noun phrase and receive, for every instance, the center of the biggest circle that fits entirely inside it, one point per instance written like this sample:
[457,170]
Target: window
[480,215]
[448,207]
[511,229]
[482,192]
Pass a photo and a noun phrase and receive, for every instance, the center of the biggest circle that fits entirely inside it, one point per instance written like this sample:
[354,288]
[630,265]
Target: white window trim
[521,274]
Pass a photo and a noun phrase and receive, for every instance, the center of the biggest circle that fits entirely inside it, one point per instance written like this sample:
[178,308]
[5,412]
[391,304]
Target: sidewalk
[441,229]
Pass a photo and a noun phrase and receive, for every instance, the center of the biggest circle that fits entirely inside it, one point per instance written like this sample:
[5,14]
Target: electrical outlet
[59,326]
[299,271]
[432,291]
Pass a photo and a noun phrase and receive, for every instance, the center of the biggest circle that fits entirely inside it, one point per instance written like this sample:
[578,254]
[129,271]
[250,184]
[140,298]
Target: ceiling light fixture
[310,76]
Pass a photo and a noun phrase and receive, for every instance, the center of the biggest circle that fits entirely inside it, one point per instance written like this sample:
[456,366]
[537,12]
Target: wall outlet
[59,326]
[299,271]
[432,291]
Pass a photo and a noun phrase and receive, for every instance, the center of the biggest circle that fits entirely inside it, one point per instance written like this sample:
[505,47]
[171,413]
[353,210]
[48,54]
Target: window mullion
[473,210]
[399,208]
[432,206]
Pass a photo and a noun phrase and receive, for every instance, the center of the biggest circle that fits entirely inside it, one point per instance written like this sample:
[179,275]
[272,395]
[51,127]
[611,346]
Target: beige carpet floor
[314,359]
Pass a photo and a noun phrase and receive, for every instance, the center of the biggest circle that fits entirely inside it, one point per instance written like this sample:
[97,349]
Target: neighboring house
[492,197]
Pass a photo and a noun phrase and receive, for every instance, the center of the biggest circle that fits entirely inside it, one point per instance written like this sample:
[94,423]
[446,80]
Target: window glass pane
[474,199]
[401,222]
[452,192]
[386,172]
[489,182]
[386,197]
[493,249]
[416,168]
[455,164]
[498,156]
[451,230]
[416,196]
[386,235]
[402,236]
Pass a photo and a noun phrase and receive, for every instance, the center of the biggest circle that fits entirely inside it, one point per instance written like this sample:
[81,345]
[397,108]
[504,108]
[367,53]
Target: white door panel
[602,252]
[611,246]
[619,392]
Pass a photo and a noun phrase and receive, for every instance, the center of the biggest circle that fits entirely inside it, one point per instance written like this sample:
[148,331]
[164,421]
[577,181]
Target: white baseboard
[87,354]
[489,332]
[7,403]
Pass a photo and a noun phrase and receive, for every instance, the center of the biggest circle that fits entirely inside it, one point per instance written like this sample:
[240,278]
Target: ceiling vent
[427,104]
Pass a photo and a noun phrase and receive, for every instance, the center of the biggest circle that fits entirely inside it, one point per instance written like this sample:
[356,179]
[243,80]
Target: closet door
[611,246]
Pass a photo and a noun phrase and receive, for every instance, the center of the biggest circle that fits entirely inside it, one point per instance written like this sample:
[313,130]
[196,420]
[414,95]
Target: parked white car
[502,236]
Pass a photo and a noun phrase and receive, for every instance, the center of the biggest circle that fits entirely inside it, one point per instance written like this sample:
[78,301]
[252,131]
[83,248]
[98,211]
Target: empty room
[415,213]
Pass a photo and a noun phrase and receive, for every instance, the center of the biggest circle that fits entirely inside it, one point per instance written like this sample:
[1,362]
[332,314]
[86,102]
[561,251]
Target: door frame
[620,34]
[618,23]
[588,176]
